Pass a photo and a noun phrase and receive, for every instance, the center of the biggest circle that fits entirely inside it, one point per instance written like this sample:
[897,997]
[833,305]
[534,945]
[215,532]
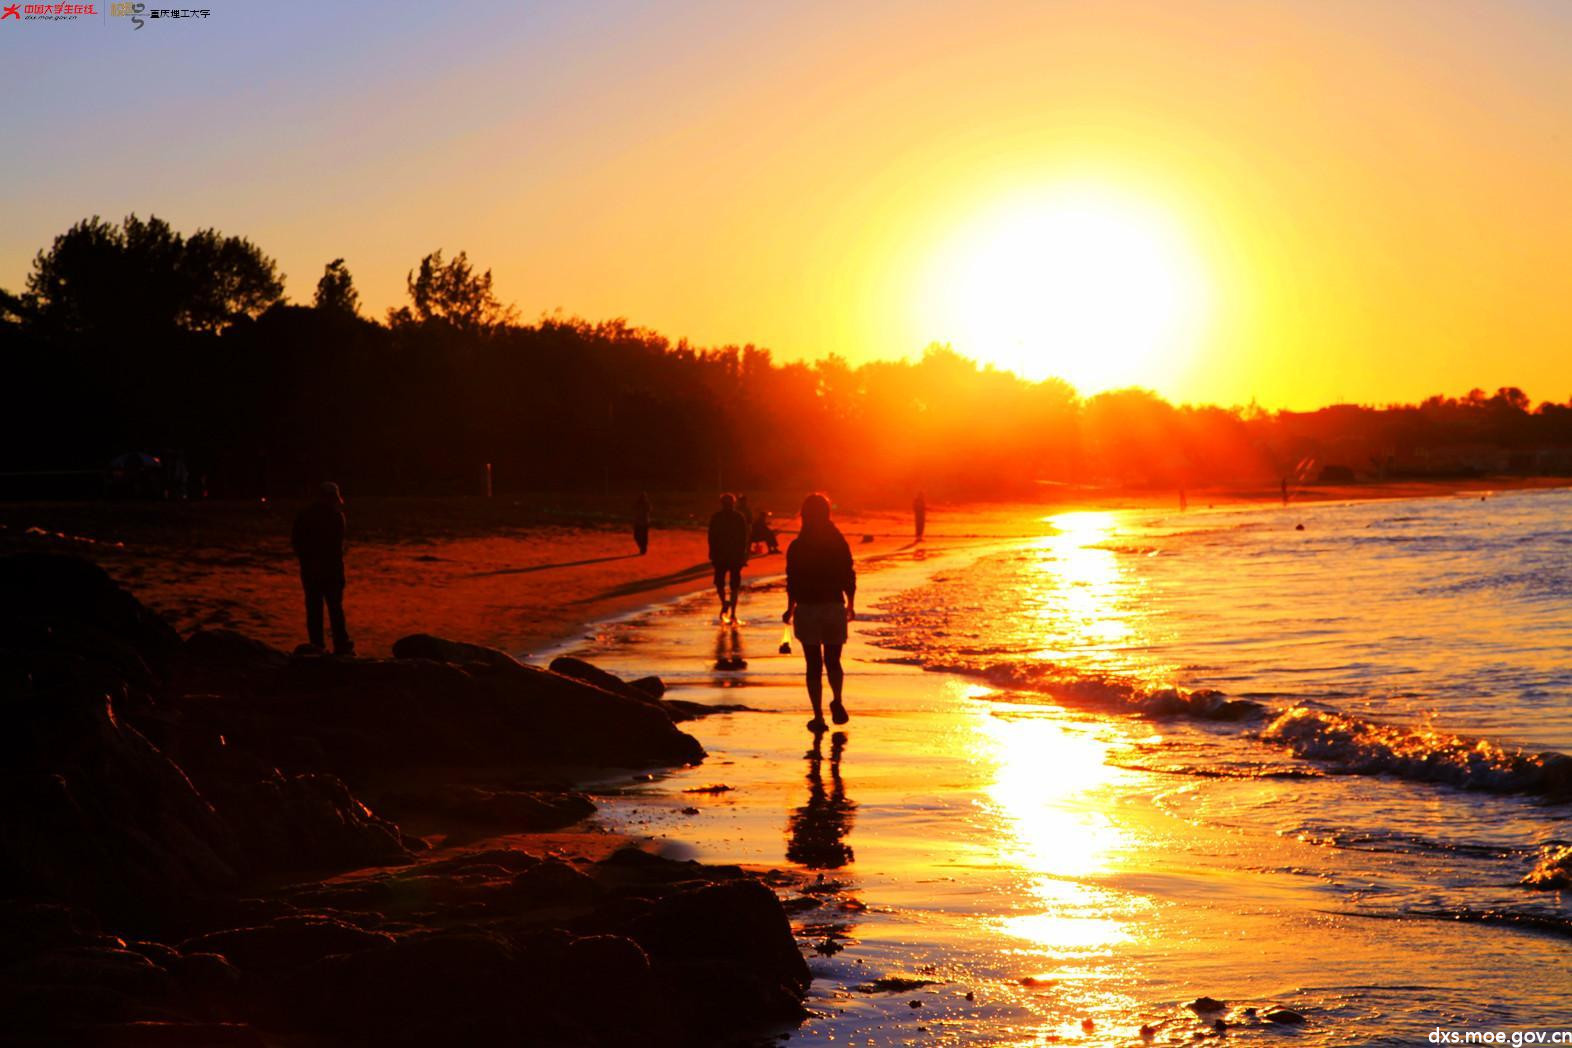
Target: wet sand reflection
[819,828]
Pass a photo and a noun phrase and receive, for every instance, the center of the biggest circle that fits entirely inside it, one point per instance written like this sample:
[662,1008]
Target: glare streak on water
[1079,871]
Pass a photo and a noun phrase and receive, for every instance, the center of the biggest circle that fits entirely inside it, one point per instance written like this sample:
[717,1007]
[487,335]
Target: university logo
[47,12]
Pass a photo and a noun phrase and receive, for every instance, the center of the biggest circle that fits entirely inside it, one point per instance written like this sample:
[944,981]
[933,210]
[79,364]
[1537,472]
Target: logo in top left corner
[46,12]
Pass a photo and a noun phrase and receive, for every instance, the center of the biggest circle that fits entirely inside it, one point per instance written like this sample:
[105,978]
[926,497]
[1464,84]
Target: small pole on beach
[488,480]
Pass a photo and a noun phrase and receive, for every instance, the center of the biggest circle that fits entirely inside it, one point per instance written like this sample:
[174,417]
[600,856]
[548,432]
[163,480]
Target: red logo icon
[11,12]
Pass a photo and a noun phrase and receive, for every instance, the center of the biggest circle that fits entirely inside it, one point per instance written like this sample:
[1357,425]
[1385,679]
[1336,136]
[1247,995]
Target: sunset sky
[1289,202]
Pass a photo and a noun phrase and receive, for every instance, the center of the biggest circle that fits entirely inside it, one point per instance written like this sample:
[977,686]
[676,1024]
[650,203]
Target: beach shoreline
[521,575]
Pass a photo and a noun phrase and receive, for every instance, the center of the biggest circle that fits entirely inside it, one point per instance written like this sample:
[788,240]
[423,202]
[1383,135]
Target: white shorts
[816,624]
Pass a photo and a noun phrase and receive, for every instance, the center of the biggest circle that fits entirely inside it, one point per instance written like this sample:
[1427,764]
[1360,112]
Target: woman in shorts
[821,593]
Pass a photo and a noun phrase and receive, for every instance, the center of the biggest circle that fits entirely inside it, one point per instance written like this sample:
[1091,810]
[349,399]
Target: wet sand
[966,848]
[992,875]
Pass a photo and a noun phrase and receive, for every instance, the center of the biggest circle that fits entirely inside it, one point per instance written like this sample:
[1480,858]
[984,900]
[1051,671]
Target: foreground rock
[158,793]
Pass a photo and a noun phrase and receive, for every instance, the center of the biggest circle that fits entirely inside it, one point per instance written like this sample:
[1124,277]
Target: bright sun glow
[1081,283]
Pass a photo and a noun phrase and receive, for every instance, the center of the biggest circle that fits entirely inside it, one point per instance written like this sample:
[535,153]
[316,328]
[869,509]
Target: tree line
[133,337]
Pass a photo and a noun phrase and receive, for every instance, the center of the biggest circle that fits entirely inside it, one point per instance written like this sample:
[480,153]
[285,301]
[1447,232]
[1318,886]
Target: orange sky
[1363,201]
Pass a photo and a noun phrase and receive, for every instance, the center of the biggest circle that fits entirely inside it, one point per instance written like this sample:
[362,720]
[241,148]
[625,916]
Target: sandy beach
[516,574]
[962,864]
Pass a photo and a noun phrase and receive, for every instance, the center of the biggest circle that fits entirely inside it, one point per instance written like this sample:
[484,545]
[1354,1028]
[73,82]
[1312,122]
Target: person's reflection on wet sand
[819,828]
[728,652]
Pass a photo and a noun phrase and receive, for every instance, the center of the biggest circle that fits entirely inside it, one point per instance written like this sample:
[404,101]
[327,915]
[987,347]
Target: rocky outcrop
[165,790]
[360,715]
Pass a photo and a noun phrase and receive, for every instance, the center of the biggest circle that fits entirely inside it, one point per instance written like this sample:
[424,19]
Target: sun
[1079,282]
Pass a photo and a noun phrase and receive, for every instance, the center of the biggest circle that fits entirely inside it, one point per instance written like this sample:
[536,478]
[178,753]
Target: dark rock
[443,988]
[29,928]
[455,652]
[371,716]
[553,883]
[1282,1016]
[96,815]
[578,669]
[516,810]
[654,687]
[733,940]
[205,974]
[78,598]
[286,944]
[124,971]
[610,964]
[1203,1005]
[307,822]
[231,650]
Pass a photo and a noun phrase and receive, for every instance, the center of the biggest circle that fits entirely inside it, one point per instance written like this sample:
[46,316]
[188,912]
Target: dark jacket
[819,567]
[728,539]
[318,539]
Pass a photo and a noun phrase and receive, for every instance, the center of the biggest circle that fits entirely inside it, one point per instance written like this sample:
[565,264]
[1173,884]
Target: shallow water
[1037,821]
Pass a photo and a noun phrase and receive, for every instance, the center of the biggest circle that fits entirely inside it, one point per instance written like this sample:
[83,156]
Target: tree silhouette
[142,275]
[336,290]
[130,336]
[451,293]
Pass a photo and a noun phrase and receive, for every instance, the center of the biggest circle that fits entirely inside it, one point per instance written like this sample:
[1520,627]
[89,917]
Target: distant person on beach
[728,553]
[641,522]
[821,596]
[762,535]
[920,514]
[318,539]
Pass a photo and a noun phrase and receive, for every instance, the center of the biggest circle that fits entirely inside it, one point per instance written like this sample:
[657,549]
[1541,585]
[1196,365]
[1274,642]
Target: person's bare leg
[832,666]
[814,657]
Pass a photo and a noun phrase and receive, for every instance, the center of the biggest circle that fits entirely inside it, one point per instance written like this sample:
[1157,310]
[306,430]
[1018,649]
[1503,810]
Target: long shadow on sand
[549,567]
[655,582]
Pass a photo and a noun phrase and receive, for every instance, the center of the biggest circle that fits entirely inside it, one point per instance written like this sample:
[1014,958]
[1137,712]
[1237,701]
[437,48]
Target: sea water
[1104,764]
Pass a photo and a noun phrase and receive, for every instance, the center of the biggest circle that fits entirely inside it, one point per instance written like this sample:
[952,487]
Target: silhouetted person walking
[821,597]
[728,553]
[641,522]
[318,538]
[920,514]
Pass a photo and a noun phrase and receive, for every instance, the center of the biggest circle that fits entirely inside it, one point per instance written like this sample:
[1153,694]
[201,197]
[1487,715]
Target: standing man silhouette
[728,553]
[821,597]
[920,514]
[318,539]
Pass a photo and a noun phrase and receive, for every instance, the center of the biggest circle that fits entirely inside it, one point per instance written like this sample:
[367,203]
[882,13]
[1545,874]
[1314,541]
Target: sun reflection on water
[1080,605]
[1050,788]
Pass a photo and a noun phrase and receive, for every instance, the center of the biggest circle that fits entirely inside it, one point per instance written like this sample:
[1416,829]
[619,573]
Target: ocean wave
[1106,693]
[1548,923]
[1419,753]
[1401,843]
[1553,870]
